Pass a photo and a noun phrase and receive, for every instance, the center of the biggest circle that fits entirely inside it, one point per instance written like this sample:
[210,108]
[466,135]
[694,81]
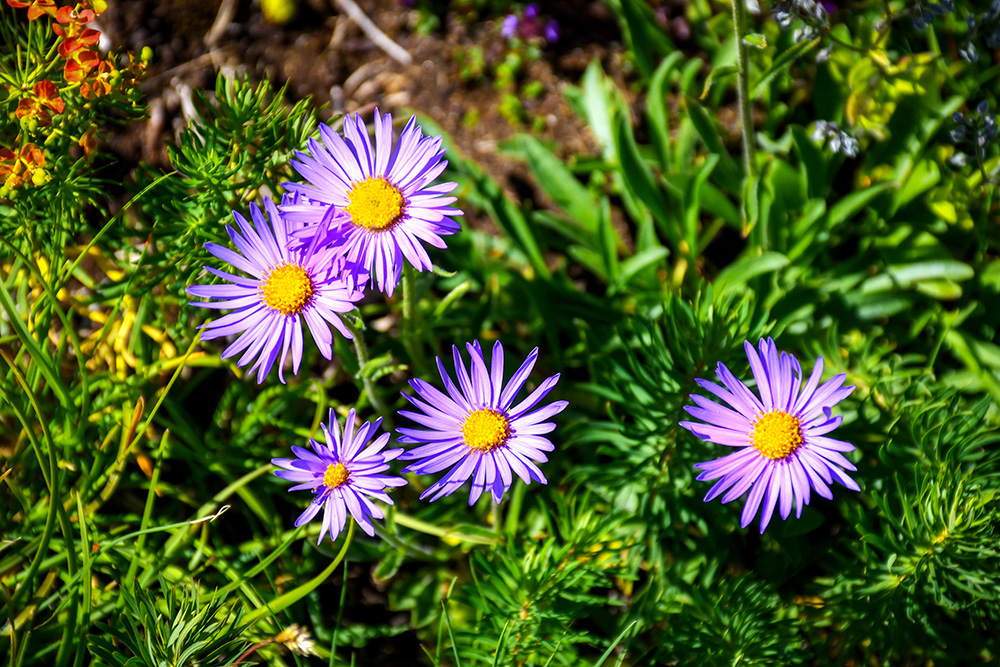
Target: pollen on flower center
[374,204]
[776,434]
[485,430]
[288,289]
[336,475]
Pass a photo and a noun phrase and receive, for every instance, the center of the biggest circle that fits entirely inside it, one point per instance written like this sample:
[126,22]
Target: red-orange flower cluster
[40,104]
[17,168]
[35,7]
[78,46]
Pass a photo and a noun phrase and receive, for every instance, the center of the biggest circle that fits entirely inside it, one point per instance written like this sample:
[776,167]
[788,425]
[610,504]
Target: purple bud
[531,12]
[509,26]
[552,32]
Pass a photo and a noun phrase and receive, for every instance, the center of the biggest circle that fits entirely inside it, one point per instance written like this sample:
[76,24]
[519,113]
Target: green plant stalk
[340,615]
[147,513]
[743,86]
[291,597]
[55,492]
[53,302]
[408,326]
[29,344]
[361,349]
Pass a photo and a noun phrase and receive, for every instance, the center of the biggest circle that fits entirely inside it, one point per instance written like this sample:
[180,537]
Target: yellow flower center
[336,475]
[288,289]
[485,430]
[374,204]
[776,435]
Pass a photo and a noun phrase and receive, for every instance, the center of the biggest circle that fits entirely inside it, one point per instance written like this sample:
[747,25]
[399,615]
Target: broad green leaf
[728,174]
[599,108]
[641,261]
[560,184]
[906,276]
[796,51]
[749,267]
[645,37]
[657,113]
[847,207]
[639,179]
[719,72]
[813,162]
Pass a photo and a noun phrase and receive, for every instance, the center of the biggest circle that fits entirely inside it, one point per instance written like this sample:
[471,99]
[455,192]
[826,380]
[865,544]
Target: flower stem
[361,349]
[253,648]
[291,597]
[408,325]
[740,28]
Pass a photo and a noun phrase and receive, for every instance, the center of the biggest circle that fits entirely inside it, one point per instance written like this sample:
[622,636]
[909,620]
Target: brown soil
[323,53]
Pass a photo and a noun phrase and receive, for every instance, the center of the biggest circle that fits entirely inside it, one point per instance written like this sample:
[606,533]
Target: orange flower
[74,15]
[89,143]
[102,83]
[18,168]
[29,108]
[78,65]
[72,44]
[35,7]
[46,93]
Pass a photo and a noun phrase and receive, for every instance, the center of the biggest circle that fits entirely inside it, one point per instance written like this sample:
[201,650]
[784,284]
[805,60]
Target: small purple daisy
[343,477]
[784,451]
[386,191]
[475,431]
[286,287]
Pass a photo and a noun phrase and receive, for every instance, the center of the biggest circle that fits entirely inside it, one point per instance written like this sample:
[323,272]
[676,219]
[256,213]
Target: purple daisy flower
[475,431]
[387,192]
[343,476]
[285,288]
[784,451]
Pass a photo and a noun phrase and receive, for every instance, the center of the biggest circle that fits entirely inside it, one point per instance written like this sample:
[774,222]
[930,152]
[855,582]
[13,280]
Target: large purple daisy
[386,191]
[475,431]
[344,478]
[784,451]
[285,288]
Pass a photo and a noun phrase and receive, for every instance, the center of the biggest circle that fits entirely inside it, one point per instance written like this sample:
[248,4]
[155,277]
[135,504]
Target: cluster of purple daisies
[475,431]
[368,205]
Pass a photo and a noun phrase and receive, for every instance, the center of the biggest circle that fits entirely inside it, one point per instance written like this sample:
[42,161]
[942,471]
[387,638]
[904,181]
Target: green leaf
[813,162]
[755,39]
[657,114]
[638,178]
[925,175]
[906,276]
[796,51]
[641,261]
[599,107]
[719,72]
[378,367]
[728,173]
[645,38]
[746,268]
[560,184]
[847,207]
